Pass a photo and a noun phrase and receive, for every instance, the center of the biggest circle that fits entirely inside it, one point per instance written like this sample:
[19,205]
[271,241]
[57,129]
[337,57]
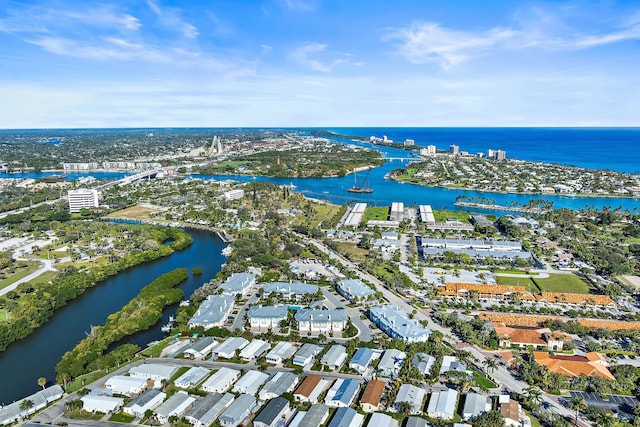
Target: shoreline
[567,195]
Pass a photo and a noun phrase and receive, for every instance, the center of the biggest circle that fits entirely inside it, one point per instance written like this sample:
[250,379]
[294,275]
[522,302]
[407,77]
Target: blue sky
[243,63]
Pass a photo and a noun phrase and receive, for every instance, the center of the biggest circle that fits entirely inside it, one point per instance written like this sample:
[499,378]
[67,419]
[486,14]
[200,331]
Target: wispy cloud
[298,5]
[317,57]
[170,17]
[429,42]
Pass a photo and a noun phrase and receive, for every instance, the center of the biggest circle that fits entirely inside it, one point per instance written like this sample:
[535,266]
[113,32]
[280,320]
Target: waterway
[36,356]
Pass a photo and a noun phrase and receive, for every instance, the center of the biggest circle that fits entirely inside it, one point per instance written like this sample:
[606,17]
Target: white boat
[227,251]
[169,325]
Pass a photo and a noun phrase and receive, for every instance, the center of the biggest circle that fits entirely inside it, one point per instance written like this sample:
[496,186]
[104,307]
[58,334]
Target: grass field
[122,418]
[322,212]
[44,277]
[633,240]
[135,212]
[380,213]
[569,283]
[480,379]
[3,315]
[441,216]
[518,281]
[19,274]
[355,253]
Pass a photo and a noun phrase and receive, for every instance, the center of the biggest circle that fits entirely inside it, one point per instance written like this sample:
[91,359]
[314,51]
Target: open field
[518,281]
[44,277]
[631,281]
[441,216]
[135,212]
[380,213]
[322,211]
[20,273]
[354,252]
[569,283]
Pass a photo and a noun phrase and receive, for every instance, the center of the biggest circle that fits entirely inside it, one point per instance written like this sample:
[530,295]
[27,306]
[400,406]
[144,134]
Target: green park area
[442,216]
[569,283]
[376,213]
[17,271]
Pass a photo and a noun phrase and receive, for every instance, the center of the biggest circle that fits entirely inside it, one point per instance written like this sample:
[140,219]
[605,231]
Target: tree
[173,419]
[577,404]
[490,419]
[534,395]
[404,407]
[42,381]
[490,364]
[26,404]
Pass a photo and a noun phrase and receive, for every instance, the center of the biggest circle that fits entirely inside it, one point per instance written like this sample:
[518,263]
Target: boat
[356,188]
[227,251]
[169,325]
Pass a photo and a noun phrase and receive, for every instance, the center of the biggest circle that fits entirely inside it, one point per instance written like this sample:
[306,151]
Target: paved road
[365,333]
[47,265]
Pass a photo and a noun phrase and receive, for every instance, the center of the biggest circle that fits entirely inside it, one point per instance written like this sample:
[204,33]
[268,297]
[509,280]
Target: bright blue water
[36,356]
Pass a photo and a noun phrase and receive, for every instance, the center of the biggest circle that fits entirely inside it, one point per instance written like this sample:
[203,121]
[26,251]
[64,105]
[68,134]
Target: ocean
[594,148]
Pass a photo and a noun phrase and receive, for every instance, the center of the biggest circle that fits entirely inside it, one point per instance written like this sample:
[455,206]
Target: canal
[36,356]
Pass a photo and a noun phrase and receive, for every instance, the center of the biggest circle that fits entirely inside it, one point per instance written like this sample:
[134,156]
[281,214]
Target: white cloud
[429,42]
[170,17]
[298,5]
[317,57]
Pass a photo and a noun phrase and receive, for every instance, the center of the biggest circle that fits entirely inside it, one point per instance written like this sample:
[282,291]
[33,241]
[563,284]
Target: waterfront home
[238,284]
[148,400]
[391,362]
[370,400]
[442,404]
[13,412]
[221,381]
[278,383]
[212,312]
[411,395]
[295,290]
[306,354]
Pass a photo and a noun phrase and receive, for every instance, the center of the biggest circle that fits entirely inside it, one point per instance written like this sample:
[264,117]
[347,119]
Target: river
[36,356]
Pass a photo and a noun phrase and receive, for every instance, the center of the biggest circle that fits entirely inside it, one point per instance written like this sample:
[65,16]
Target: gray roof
[397,323]
[475,404]
[268,312]
[193,376]
[343,417]
[231,344]
[416,422]
[307,350]
[172,403]
[332,355]
[412,394]
[391,360]
[315,415]
[238,409]
[202,407]
[272,410]
[306,315]
[297,288]
[213,310]
[283,350]
[144,398]
[423,362]
[238,283]
[279,383]
[147,370]
[443,402]
[202,344]
[355,287]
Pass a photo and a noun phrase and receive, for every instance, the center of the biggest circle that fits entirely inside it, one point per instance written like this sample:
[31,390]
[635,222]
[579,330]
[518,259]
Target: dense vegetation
[336,160]
[34,305]
[139,314]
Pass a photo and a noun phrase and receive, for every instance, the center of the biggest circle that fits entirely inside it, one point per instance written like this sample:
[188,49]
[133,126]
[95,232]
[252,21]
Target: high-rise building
[429,150]
[409,142]
[80,199]
[454,149]
[501,155]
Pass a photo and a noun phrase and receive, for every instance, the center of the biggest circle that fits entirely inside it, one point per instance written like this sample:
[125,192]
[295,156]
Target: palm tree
[490,364]
[604,420]
[534,394]
[25,405]
[42,381]
[577,404]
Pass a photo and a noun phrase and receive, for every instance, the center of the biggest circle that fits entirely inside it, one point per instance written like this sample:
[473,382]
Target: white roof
[282,350]
[254,349]
[223,376]
[150,370]
[230,345]
[250,382]
[381,420]
[443,403]
[192,377]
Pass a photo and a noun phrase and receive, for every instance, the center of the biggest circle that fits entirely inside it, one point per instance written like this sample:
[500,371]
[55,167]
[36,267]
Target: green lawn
[569,283]
[156,350]
[534,420]
[518,281]
[122,418]
[633,240]
[20,273]
[380,213]
[480,380]
[44,277]
[441,216]
[354,252]
[3,315]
